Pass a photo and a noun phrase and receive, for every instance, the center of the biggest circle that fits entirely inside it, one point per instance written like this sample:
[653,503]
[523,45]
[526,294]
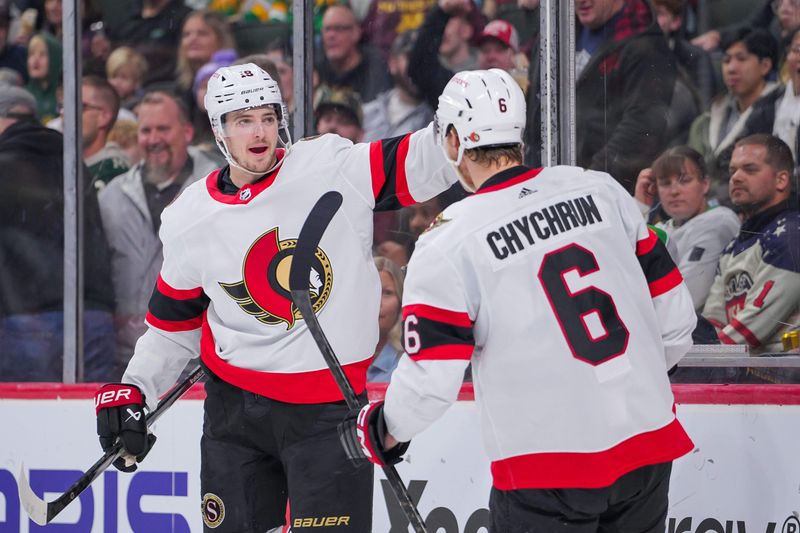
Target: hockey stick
[310,236]
[43,512]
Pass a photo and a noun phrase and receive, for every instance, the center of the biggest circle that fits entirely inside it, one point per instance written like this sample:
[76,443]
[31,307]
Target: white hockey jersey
[571,311]
[223,288]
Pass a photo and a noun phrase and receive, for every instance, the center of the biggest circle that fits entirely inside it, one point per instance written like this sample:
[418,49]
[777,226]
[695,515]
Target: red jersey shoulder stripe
[376,168]
[177,294]
[647,244]
[174,325]
[438,314]
[403,194]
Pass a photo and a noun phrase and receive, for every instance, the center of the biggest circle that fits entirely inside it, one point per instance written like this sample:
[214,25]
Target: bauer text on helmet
[241,87]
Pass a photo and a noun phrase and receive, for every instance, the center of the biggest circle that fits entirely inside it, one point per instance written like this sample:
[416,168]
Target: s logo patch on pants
[213,510]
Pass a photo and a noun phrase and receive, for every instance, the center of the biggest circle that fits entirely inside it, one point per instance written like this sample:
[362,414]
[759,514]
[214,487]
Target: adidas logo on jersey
[525,192]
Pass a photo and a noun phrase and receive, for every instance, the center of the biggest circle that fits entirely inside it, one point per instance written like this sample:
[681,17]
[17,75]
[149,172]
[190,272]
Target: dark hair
[107,94]
[158,96]
[779,156]
[670,163]
[758,41]
[676,7]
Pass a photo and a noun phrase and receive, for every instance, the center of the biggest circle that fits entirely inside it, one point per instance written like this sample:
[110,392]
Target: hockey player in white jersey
[571,312]
[272,405]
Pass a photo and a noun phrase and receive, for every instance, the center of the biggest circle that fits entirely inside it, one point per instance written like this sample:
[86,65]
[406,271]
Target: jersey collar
[508,178]
[227,193]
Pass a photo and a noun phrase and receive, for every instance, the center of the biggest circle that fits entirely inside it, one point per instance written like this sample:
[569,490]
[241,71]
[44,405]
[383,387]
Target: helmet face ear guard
[239,87]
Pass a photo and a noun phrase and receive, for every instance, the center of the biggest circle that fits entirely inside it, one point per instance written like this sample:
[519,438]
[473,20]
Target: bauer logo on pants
[213,510]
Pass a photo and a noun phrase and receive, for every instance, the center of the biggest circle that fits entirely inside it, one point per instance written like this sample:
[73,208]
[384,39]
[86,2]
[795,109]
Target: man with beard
[755,297]
[398,110]
[131,206]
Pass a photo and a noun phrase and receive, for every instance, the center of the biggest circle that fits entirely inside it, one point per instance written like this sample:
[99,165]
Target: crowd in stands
[701,127]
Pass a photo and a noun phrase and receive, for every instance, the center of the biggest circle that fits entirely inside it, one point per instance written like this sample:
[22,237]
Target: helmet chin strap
[223,147]
[466,184]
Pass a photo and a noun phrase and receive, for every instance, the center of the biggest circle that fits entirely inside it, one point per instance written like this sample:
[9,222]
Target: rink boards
[742,477]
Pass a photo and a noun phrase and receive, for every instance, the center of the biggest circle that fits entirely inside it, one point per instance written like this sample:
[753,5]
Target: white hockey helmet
[240,87]
[486,108]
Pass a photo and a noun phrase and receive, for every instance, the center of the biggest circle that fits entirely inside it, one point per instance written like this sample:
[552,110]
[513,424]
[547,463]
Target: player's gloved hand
[121,413]
[363,436]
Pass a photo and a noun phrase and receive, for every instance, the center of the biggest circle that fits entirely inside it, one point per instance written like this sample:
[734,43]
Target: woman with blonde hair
[389,348]
[204,33]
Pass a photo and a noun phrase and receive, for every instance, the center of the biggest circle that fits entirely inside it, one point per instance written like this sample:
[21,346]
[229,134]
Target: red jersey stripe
[646,245]
[748,335]
[438,314]
[525,176]
[593,469]
[445,352]
[725,339]
[177,294]
[666,283]
[401,185]
[174,325]
[376,168]
[316,386]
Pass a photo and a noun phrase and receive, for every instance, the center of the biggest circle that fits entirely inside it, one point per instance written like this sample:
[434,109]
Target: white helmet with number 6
[485,107]
[240,87]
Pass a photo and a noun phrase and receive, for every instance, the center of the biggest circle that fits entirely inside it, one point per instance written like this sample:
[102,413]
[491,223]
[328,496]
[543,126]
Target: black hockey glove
[121,414]
[363,435]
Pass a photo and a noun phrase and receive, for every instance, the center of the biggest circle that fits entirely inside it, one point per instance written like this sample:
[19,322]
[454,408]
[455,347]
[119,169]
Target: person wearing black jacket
[32,254]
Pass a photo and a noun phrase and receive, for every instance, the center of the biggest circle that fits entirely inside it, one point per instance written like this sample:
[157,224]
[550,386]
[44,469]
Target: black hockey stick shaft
[310,236]
[43,515]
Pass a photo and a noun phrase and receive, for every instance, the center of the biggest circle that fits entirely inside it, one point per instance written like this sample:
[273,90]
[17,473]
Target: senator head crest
[264,289]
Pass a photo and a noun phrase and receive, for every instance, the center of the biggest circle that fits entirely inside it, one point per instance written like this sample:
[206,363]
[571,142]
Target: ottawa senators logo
[264,289]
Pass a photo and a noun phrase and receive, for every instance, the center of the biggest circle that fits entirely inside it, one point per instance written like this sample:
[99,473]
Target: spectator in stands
[32,253]
[344,62]
[132,203]
[694,60]
[755,297]
[749,58]
[153,30]
[389,348]
[12,55]
[455,51]
[387,19]
[778,112]
[44,73]
[498,43]
[125,134]
[204,34]
[125,70]
[697,233]
[283,64]
[104,159]
[399,110]
[338,111]
[626,75]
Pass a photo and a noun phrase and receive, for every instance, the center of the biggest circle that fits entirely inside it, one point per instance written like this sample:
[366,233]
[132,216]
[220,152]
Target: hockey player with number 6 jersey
[571,312]
[272,405]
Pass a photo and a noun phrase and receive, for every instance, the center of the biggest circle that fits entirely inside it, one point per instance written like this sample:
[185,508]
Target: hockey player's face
[683,196]
[252,136]
[755,185]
